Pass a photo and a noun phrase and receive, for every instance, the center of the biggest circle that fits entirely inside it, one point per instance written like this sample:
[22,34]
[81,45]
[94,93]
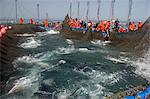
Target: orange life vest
[46,23]
[21,20]
[139,25]
[79,24]
[107,25]
[31,21]
[131,27]
[121,29]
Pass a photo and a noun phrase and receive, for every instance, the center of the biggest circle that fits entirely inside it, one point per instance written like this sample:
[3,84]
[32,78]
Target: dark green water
[56,68]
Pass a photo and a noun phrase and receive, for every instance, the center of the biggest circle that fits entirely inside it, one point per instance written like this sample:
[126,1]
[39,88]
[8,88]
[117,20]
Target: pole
[112,9]
[130,9]
[38,14]
[87,12]
[98,10]
[70,9]
[78,9]
[47,17]
[16,10]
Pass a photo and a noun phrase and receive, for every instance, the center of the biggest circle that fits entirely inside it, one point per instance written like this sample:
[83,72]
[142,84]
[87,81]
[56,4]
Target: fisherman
[21,20]
[31,21]
[90,24]
[116,24]
[101,26]
[131,26]
[78,24]
[107,27]
[46,23]
[121,29]
[72,24]
[139,25]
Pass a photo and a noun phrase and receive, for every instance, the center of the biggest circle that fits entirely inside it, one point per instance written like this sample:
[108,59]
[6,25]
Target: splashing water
[63,69]
[143,65]
[31,43]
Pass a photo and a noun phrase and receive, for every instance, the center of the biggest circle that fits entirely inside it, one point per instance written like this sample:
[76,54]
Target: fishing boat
[131,35]
[115,37]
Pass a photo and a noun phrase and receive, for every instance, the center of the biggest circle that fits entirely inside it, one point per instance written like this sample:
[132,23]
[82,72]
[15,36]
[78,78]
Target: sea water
[57,68]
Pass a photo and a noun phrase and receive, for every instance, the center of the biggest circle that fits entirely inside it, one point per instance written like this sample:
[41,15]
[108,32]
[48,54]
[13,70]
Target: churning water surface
[57,68]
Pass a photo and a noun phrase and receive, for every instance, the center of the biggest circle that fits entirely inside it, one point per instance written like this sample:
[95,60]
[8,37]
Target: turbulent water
[57,68]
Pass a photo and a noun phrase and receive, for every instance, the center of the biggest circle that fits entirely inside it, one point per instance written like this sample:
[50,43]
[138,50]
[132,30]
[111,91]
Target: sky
[57,9]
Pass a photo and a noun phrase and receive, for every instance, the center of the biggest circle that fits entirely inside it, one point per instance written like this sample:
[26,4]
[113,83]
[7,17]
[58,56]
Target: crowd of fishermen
[45,22]
[103,25]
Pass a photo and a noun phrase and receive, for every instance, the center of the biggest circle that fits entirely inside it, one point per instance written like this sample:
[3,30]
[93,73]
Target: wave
[25,85]
[100,43]
[118,60]
[69,41]
[52,32]
[143,65]
[64,50]
[31,43]
[83,49]
[94,86]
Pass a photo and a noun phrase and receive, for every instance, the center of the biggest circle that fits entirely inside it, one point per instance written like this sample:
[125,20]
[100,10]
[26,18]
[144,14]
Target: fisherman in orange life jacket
[46,23]
[31,21]
[78,24]
[70,23]
[102,26]
[90,24]
[131,26]
[121,29]
[21,20]
[99,26]
[74,23]
[139,25]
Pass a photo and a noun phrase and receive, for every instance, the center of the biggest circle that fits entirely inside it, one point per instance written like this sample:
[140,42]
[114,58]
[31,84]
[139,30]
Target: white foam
[83,49]
[31,43]
[62,62]
[52,32]
[37,59]
[25,35]
[114,59]
[48,82]
[118,60]
[67,50]
[100,43]
[69,41]
[24,83]
[63,95]
[93,86]
[143,65]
